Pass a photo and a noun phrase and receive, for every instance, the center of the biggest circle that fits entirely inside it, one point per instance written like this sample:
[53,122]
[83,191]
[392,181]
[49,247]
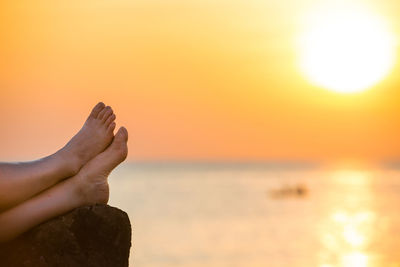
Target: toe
[122,134]
[111,127]
[107,114]
[119,145]
[110,120]
[104,112]
[96,110]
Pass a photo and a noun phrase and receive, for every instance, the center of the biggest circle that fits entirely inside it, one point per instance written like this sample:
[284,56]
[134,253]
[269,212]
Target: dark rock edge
[98,235]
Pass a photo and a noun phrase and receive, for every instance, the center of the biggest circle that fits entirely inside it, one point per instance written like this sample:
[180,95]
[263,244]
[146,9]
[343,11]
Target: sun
[346,50]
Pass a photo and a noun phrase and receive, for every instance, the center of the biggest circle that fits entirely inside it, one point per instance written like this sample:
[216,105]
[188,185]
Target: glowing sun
[346,50]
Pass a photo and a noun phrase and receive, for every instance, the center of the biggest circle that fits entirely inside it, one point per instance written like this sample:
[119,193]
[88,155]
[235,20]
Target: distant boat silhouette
[298,191]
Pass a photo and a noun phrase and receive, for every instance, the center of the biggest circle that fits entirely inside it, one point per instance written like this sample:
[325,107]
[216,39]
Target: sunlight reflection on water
[222,217]
[348,231]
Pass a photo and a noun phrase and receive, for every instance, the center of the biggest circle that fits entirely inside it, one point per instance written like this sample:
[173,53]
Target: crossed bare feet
[93,153]
[76,175]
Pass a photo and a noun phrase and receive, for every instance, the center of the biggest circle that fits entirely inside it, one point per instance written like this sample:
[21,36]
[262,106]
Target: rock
[97,235]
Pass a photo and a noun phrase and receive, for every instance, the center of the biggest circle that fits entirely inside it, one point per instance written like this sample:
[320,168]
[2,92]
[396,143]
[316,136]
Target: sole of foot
[92,179]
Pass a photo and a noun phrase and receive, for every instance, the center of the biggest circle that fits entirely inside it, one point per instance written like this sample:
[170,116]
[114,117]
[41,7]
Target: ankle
[80,189]
[69,163]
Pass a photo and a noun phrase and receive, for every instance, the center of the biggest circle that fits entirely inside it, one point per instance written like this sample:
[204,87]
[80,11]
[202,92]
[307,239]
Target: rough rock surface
[97,235]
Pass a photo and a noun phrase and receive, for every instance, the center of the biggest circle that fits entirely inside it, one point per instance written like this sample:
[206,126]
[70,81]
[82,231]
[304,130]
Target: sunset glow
[208,80]
[261,132]
[347,50]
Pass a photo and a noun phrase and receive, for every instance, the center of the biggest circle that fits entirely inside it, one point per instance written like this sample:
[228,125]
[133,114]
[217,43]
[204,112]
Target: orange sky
[191,80]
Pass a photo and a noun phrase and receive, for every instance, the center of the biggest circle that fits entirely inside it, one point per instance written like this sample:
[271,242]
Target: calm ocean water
[244,216]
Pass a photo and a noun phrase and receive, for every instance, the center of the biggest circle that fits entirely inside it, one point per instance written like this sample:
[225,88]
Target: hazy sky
[192,80]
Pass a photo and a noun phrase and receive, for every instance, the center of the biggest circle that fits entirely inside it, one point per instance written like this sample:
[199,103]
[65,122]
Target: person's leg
[88,187]
[20,181]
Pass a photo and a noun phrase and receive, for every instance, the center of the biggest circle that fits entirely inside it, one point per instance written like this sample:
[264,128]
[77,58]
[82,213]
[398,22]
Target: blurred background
[262,133]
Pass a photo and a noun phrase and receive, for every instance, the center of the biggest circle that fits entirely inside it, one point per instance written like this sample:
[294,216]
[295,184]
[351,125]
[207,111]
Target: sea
[245,215]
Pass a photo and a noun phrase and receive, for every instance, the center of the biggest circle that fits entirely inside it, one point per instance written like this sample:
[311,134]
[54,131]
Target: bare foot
[94,137]
[92,178]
